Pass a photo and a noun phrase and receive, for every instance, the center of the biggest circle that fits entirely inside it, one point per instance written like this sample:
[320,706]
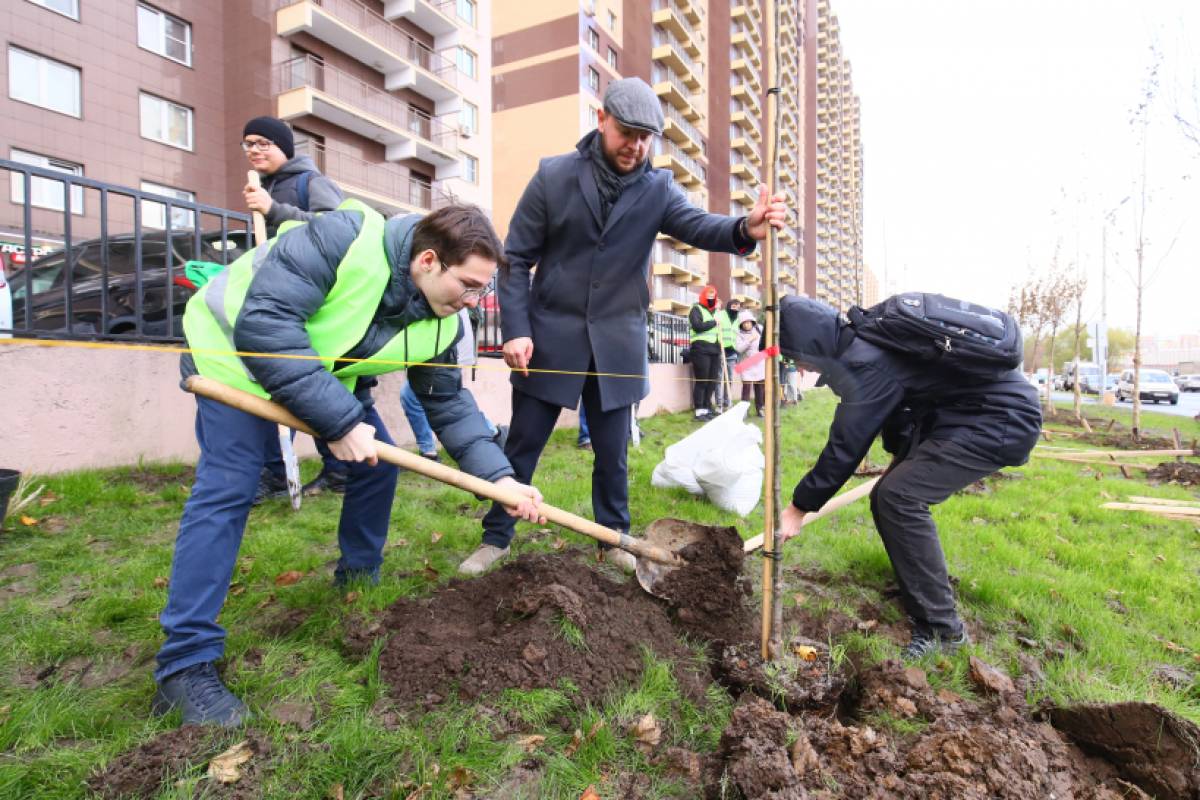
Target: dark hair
[457,232]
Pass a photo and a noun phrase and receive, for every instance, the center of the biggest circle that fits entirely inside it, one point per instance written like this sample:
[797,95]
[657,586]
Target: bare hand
[790,522]
[764,214]
[518,353]
[357,445]
[528,509]
[257,199]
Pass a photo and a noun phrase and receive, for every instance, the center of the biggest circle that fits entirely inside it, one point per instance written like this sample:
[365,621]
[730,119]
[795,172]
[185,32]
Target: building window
[468,118]
[43,82]
[166,122]
[466,62]
[46,192]
[154,214]
[472,169]
[594,80]
[593,39]
[612,21]
[612,58]
[466,11]
[161,33]
[68,8]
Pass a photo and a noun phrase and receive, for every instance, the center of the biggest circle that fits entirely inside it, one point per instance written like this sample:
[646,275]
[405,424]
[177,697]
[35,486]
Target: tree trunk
[1050,410]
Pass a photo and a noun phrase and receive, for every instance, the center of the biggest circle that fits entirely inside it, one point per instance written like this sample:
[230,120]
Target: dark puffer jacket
[284,187]
[292,284]
[900,397]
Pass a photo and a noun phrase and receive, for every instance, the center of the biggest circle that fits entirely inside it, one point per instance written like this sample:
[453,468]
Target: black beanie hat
[274,129]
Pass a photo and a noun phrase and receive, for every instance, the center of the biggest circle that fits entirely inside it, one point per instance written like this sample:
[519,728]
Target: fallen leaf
[589,794]
[866,625]
[1174,648]
[430,574]
[1160,558]
[573,746]
[160,582]
[27,520]
[800,599]
[288,578]
[805,652]
[458,778]
[435,537]
[266,601]
[400,543]
[351,596]
[597,726]
[559,543]
[224,768]
[337,792]
[531,742]
[237,589]
[646,733]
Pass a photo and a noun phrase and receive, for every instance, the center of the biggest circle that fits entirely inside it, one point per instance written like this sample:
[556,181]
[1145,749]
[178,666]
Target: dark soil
[142,771]
[1181,472]
[1125,441]
[708,595]
[987,485]
[508,629]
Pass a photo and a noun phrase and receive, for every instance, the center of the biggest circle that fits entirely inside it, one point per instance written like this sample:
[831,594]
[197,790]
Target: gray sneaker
[622,559]
[925,643]
[478,562]
[199,692]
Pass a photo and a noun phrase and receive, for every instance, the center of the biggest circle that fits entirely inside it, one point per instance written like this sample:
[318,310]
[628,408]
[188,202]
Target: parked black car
[101,306]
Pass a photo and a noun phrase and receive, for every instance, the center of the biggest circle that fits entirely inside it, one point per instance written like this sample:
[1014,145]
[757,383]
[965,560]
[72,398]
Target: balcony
[691,12]
[679,130]
[741,116]
[667,15]
[670,52]
[742,66]
[740,192]
[786,276]
[740,167]
[747,148]
[670,262]
[439,17]
[743,94]
[687,170]
[745,271]
[388,187]
[670,88]
[742,41]
[366,36]
[306,85]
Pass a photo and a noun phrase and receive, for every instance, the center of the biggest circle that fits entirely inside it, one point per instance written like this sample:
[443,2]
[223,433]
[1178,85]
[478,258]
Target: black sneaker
[270,486]
[328,481]
[198,691]
[926,643]
[345,578]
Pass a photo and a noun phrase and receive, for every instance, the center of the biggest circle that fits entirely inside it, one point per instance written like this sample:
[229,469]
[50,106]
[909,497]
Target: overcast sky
[995,131]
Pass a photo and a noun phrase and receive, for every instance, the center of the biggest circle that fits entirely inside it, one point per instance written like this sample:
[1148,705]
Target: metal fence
[117,276]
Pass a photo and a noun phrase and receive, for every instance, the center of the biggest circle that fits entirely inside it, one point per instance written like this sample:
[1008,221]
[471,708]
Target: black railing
[128,285]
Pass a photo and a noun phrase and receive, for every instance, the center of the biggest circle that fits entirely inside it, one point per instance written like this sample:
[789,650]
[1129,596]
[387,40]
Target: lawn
[1112,595]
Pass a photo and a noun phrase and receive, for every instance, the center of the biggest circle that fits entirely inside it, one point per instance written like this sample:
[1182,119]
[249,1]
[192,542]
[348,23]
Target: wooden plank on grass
[1182,511]
[1123,453]
[1164,501]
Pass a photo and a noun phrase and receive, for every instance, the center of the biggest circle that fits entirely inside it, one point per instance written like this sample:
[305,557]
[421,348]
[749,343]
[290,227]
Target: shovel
[664,559]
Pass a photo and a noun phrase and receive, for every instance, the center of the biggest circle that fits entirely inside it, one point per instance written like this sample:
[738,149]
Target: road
[1189,403]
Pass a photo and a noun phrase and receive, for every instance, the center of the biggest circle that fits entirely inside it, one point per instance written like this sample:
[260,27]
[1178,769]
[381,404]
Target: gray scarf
[609,183]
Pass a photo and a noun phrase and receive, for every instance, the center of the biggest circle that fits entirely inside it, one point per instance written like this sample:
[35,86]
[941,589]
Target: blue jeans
[420,423]
[585,436]
[233,447]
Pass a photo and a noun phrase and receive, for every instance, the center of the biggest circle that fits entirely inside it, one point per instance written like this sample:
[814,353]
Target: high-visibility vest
[337,326]
[728,332]
[709,335]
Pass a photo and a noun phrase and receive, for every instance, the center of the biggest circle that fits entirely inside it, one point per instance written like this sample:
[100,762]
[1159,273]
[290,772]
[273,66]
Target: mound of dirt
[142,771]
[533,623]
[1181,472]
[752,759]
[1125,441]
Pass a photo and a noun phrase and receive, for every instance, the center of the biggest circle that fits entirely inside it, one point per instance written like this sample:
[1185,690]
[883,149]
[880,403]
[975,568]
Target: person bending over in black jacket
[944,431]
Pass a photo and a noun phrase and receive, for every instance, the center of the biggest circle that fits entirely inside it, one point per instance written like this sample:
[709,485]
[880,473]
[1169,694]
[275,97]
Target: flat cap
[634,104]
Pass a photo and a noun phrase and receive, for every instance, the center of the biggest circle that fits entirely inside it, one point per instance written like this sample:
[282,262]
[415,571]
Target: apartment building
[390,97]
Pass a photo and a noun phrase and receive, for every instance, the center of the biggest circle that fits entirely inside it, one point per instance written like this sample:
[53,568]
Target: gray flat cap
[634,104]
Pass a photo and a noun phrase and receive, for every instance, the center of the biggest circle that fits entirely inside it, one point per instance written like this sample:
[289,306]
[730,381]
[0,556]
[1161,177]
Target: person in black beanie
[292,188]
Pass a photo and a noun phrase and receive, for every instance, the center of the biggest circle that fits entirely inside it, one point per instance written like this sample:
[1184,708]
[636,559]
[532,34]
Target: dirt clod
[1184,473]
[147,768]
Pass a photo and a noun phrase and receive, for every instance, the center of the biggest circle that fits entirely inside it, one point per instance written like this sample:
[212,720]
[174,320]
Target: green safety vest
[709,335]
[728,334]
[338,325]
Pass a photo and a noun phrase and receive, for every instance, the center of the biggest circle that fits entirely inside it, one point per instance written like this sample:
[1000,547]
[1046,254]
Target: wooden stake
[1083,421]
[1178,442]
[1179,511]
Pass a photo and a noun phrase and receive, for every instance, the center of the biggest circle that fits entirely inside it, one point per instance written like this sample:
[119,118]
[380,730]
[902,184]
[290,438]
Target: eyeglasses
[469,292]
[261,145]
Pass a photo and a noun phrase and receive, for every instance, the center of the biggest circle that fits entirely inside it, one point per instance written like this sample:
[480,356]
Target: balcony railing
[668,148]
[385,184]
[307,71]
[660,5]
[663,38]
[676,117]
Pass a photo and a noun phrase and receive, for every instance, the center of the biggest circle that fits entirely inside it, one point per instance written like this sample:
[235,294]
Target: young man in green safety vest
[345,297]
[705,351]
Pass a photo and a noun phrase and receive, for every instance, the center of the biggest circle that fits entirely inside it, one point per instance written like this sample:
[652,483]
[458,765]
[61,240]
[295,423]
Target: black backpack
[967,338]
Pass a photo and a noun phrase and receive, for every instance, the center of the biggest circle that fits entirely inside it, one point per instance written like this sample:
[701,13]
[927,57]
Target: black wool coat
[586,305]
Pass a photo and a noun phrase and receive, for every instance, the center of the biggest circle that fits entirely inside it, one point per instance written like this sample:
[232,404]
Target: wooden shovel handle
[261,407]
[260,222]
[843,499]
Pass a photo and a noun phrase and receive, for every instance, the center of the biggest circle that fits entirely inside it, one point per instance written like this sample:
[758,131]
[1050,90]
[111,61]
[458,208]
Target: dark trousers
[934,470]
[532,422]
[706,371]
[759,394]
[233,449]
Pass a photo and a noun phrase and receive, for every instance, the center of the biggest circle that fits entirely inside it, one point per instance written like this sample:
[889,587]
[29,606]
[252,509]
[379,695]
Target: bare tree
[1024,303]
[1141,124]
[1075,291]
[1054,297]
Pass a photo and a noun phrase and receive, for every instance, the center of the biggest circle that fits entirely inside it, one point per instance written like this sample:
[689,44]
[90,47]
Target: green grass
[1035,558]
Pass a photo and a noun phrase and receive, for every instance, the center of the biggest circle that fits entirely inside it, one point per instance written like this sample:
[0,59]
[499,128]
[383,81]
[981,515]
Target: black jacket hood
[810,332]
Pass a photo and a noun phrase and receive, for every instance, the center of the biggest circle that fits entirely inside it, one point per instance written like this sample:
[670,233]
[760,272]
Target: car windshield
[1155,376]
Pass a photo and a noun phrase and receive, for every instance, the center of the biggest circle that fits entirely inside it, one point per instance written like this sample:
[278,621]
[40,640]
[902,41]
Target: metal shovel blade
[672,535]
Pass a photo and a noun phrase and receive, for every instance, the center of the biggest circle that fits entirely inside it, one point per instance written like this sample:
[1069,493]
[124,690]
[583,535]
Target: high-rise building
[391,99]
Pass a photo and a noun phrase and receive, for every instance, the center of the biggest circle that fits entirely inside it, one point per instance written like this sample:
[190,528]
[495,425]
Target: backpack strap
[302,189]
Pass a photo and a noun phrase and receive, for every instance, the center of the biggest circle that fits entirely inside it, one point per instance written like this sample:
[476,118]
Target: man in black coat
[944,430]
[588,221]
